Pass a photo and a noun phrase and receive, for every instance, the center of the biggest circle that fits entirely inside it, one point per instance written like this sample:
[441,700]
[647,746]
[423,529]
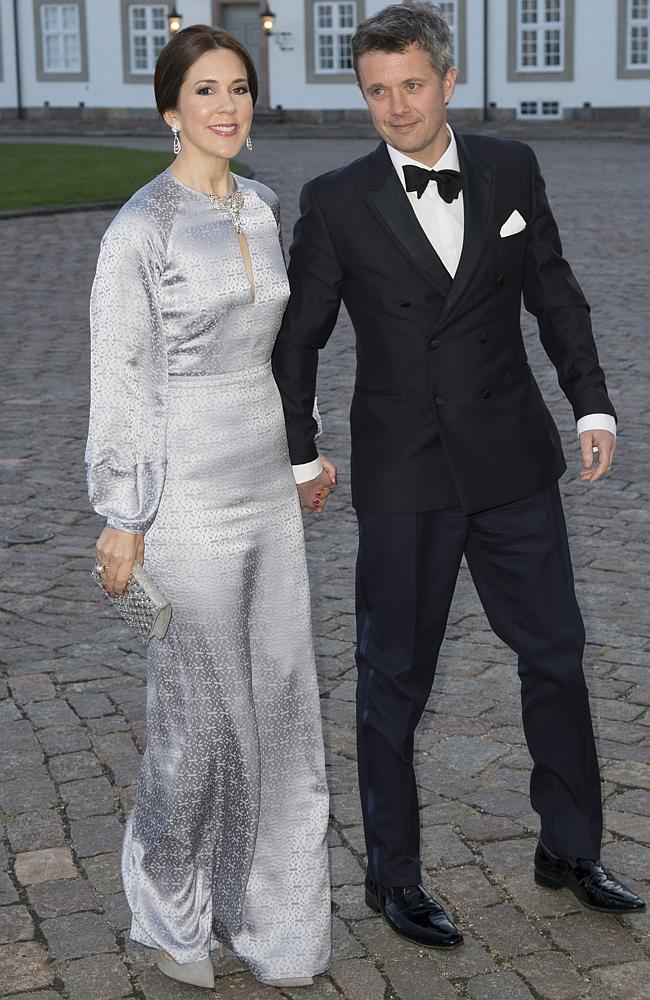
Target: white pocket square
[514,224]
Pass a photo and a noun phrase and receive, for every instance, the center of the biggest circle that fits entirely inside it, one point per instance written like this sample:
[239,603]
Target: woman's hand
[314,493]
[116,551]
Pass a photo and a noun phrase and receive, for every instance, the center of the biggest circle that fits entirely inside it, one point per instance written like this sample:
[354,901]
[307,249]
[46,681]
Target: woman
[187,451]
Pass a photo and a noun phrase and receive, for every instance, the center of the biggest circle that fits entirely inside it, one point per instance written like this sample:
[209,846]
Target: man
[431,241]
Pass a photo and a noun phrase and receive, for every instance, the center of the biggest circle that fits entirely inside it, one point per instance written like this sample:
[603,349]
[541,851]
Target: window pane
[148,24]
[140,60]
[529,11]
[639,48]
[345,52]
[448,11]
[325,16]
[326,52]
[553,10]
[72,55]
[640,9]
[53,54]
[346,15]
[138,18]
[334,25]
[61,47]
[50,18]
[552,48]
[529,48]
[70,17]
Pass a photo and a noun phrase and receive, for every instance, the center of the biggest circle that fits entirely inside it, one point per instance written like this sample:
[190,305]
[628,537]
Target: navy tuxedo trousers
[518,555]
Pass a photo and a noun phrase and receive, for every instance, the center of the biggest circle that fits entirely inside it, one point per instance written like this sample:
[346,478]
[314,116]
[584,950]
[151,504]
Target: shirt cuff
[317,418]
[310,470]
[597,422]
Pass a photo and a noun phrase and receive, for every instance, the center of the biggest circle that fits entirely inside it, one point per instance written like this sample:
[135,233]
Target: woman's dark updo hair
[183,50]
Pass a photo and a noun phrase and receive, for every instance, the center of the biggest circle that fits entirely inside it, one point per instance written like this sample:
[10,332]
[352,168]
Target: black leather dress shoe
[412,913]
[589,882]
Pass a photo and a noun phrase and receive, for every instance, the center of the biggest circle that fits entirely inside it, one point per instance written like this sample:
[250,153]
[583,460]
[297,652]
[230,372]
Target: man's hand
[605,443]
[314,493]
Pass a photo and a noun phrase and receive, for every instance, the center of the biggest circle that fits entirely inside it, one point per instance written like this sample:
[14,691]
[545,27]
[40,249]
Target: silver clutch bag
[141,604]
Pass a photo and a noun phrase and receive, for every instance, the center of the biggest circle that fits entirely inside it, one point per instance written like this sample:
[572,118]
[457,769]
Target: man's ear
[449,83]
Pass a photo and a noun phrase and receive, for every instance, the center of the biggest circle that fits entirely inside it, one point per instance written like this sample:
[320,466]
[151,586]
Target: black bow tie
[450,182]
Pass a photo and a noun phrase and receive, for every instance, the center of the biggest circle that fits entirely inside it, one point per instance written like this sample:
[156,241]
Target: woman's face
[215,109]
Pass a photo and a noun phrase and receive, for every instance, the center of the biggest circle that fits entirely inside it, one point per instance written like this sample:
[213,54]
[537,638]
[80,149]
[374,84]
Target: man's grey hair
[396,27]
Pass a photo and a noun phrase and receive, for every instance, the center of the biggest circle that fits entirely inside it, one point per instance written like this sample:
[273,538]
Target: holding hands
[116,552]
[314,493]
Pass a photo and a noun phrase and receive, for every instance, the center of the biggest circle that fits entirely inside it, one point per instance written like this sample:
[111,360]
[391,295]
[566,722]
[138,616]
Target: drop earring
[249,143]
[177,141]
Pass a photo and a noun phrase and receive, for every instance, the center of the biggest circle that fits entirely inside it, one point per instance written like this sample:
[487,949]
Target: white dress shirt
[443,224]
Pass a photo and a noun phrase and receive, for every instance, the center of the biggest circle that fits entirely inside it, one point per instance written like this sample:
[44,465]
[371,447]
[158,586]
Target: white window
[61,38]
[449,11]
[540,35]
[147,35]
[539,109]
[638,34]
[334,26]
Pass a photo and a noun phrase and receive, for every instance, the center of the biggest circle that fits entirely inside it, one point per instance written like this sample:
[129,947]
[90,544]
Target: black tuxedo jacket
[445,407]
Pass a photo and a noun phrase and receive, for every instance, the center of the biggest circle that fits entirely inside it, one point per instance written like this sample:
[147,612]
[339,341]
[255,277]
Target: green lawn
[41,174]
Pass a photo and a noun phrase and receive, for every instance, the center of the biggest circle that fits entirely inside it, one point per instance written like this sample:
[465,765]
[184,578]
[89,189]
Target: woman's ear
[169,119]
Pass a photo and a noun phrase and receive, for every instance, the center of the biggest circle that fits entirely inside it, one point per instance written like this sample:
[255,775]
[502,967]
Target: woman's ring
[99,568]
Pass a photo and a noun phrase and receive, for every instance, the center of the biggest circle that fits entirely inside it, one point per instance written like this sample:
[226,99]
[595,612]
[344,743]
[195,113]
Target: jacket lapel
[389,202]
[478,200]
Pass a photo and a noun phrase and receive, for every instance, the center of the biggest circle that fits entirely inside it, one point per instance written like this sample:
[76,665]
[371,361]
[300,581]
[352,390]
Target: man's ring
[99,568]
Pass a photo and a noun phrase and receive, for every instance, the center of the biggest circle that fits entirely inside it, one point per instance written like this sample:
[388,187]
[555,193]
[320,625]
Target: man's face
[407,100]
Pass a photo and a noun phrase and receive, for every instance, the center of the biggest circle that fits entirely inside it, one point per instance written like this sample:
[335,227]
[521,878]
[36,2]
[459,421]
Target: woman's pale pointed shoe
[193,973]
[284,984]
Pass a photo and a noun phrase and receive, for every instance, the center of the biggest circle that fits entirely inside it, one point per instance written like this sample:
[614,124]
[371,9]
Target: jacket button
[487,394]
[434,344]
[439,400]
[484,337]
[501,279]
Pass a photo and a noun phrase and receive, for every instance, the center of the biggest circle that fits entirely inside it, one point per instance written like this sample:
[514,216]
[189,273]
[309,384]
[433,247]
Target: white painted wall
[595,80]
[8,76]
[287,69]
[470,94]
[595,62]
[595,65]
[105,86]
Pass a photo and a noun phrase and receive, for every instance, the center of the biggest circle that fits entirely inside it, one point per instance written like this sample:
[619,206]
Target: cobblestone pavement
[273,126]
[73,680]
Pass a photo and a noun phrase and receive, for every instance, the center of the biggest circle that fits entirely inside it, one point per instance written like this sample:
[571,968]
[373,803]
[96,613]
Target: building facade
[516,58]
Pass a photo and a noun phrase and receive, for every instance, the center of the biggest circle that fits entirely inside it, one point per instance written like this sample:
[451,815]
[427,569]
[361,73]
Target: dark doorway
[243,21]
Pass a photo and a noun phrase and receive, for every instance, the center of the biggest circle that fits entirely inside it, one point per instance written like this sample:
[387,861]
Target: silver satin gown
[187,443]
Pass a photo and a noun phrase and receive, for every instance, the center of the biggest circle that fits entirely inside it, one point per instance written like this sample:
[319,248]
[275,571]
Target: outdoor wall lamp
[174,21]
[282,38]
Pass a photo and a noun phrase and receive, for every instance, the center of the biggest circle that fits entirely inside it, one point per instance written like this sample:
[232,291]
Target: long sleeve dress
[187,443]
